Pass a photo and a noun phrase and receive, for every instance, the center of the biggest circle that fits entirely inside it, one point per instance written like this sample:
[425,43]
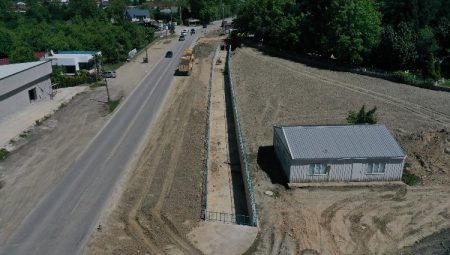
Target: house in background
[4,61]
[23,84]
[74,61]
[341,153]
[137,15]
[21,7]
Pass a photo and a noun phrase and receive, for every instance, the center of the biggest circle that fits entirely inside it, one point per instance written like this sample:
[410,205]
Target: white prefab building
[340,153]
[22,84]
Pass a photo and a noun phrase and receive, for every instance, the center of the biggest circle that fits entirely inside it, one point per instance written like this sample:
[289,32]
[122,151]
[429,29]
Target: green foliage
[410,179]
[3,154]
[112,104]
[21,54]
[391,34]
[363,117]
[82,77]
[355,29]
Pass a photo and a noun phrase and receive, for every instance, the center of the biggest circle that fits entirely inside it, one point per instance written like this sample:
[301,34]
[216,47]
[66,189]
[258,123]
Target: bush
[3,154]
[72,80]
[412,79]
[410,179]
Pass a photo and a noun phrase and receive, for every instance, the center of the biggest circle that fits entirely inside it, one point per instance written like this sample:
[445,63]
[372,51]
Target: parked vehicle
[169,54]
[186,62]
[109,74]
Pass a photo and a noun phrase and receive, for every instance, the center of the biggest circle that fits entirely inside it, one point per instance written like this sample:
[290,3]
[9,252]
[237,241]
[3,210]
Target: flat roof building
[339,153]
[22,84]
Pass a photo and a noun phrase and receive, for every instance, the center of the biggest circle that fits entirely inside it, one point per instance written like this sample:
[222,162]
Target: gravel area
[274,91]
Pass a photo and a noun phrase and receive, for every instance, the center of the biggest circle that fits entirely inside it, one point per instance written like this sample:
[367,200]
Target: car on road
[182,38]
[184,32]
[169,54]
[109,74]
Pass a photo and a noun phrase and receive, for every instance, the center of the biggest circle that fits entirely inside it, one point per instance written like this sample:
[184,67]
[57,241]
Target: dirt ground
[273,91]
[42,156]
[162,199]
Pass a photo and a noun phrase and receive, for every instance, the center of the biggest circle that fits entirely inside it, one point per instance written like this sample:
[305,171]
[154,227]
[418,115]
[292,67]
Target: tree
[354,29]
[6,41]
[363,117]
[21,54]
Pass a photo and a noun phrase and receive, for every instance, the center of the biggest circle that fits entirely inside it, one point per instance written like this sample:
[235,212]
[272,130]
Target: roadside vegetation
[388,34]
[3,154]
[81,25]
[112,104]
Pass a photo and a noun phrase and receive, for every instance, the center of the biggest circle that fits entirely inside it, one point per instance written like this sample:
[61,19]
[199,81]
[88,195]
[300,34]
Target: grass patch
[112,104]
[3,154]
[410,179]
[112,67]
[446,84]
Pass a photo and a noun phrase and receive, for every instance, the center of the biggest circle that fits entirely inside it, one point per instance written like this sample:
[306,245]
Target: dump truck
[186,62]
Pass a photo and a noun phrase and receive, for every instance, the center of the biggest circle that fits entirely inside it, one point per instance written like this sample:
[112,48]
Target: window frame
[379,165]
[313,167]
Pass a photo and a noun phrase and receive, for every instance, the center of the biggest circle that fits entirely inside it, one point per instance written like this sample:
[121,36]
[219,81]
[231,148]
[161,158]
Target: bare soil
[42,156]
[162,199]
[274,91]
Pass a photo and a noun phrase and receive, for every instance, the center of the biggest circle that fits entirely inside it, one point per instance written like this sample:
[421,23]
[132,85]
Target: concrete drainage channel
[228,195]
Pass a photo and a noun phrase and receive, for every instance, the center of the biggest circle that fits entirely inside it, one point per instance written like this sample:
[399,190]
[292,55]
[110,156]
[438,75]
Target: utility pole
[107,90]
[181,18]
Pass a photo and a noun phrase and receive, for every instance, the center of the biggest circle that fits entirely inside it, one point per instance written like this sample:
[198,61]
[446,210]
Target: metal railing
[251,204]
[227,218]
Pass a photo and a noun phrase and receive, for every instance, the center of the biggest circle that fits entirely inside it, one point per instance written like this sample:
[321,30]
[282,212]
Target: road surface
[63,220]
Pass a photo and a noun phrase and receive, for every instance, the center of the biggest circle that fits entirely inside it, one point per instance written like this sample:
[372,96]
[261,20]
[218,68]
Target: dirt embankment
[162,199]
[273,91]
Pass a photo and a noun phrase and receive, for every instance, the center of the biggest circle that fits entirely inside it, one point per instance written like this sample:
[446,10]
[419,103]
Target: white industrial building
[22,84]
[74,61]
[340,153]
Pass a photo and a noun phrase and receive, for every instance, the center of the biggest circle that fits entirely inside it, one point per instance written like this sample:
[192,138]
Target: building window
[32,94]
[318,169]
[376,168]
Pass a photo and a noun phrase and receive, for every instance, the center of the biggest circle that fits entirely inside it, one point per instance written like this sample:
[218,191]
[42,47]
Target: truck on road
[186,62]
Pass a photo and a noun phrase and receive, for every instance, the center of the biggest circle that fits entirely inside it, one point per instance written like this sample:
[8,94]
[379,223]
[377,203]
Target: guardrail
[208,137]
[251,204]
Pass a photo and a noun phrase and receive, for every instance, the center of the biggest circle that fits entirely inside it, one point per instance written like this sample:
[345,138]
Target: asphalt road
[63,220]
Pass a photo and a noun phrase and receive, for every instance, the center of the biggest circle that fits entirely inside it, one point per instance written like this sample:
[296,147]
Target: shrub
[363,117]
[410,179]
[3,154]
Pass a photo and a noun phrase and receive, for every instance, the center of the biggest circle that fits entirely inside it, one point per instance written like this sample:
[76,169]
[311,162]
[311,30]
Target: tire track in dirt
[422,111]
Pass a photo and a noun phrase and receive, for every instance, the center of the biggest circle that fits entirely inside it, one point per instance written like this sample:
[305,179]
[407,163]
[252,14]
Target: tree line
[390,34]
[80,25]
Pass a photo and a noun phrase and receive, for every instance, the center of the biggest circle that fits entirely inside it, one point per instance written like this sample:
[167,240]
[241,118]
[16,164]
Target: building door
[357,172]
[32,94]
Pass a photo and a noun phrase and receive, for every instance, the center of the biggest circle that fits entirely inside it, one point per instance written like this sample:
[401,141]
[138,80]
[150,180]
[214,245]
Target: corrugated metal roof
[135,12]
[343,141]
[8,70]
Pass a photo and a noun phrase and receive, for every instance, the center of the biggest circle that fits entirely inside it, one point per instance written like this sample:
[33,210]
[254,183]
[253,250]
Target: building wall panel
[342,172]
[28,76]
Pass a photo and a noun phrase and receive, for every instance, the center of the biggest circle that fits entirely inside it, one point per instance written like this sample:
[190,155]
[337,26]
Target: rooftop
[339,142]
[136,12]
[8,70]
